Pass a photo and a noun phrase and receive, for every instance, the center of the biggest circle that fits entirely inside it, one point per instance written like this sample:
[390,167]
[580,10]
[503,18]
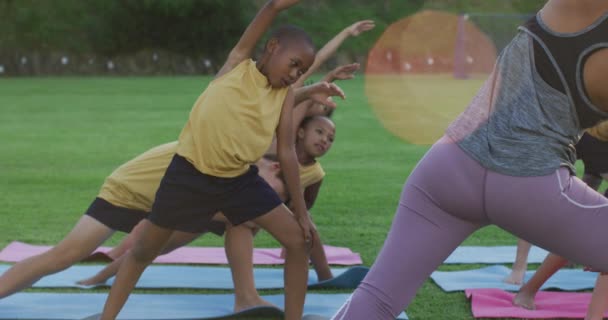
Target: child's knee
[143,253]
[296,243]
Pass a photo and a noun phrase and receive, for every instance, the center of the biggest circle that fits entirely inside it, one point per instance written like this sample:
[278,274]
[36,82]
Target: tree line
[196,32]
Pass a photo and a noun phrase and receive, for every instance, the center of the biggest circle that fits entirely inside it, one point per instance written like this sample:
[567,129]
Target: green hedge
[196,28]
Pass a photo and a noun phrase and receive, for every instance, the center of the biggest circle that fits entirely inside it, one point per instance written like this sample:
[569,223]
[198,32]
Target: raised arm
[344,72]
[256,29]
[320,92]
[309,97]
[330,47]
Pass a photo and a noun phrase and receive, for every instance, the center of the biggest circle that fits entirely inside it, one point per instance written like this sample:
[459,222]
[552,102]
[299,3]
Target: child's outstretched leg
[520,266]
[84,238]
[239,251]
[126,243]
[178,239]
[283,226]
[147,247]
[525,297]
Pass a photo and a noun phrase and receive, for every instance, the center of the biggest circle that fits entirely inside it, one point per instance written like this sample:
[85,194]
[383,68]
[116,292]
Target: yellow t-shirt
[134,184]
[599,131]
[311,174]
[232,122]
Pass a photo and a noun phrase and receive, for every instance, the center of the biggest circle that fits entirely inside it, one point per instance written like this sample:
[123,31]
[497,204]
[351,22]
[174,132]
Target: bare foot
[516,277]
[250,303]
[89,282]
[524,300]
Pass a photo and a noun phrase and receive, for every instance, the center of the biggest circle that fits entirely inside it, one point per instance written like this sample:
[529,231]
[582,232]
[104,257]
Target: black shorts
[187,199]
[216,227]
[594,153]
[115,217]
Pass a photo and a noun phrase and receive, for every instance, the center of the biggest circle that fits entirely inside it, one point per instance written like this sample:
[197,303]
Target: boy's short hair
[290,33]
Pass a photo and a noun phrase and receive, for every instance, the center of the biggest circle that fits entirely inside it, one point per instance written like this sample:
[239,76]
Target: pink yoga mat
[496,303]
[17,251]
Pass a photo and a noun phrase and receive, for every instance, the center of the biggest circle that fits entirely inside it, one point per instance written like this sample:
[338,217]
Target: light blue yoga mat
[196,277]
[68,306]
[492,277]
[492,255]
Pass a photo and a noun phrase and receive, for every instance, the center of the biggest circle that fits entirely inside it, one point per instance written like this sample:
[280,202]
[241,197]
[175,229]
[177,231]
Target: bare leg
[84,238]
[104,274]
[318,258]
[282,225]
[126,243]
[239,251]
[147,247]
[520,266]
[525,297]
[178,239]
[599,299]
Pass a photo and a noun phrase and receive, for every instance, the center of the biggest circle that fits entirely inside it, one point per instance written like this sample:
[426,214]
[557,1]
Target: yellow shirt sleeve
[311,174]
[600,131]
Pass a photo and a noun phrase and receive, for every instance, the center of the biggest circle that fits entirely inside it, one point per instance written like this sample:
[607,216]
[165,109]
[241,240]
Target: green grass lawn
[62,136]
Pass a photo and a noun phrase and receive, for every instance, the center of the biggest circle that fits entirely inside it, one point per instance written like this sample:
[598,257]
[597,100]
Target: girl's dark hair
[308,119]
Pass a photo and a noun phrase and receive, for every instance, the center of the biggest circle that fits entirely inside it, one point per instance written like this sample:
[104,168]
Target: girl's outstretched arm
[318,102]
[330,47]
[344,72]
[320,92]
[258,26]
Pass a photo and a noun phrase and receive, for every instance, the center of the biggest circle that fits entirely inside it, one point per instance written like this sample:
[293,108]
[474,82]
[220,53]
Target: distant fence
[143,63]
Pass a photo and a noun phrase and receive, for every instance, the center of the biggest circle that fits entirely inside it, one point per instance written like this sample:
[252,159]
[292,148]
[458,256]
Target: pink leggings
[448,196]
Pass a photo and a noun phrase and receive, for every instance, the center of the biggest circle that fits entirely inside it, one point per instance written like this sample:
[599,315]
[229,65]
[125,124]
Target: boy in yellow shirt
[231,126]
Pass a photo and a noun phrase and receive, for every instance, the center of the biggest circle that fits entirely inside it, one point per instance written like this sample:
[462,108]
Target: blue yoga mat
[492,277]
[492,255]
[68,306]
[196,277]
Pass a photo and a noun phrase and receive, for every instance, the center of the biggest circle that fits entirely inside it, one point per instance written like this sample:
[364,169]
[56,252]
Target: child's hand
[344,72]
[307,227]
[359,27]
[280,5]
[322,92]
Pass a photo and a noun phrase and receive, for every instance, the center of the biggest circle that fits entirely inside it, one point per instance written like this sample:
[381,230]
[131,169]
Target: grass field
[62,136]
